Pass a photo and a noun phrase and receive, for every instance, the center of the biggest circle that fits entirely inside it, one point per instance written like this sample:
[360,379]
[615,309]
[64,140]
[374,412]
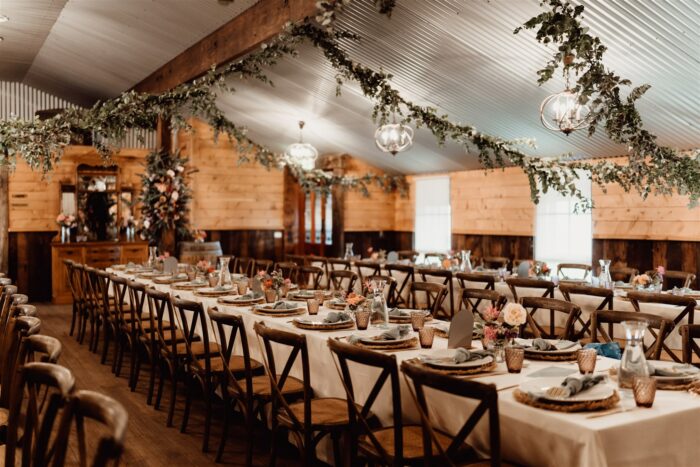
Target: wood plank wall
[374,213]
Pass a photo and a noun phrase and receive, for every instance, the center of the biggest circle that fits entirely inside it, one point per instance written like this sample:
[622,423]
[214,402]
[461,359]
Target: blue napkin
[608,349]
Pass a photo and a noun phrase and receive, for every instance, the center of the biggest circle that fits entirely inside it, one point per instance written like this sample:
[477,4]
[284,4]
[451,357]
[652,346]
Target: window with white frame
[562,235]
[433,223]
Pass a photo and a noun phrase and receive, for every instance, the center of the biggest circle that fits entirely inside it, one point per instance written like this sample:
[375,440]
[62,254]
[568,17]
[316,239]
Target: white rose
[180,168]
[170,173]
[146,223]
[514,314]
[174,195]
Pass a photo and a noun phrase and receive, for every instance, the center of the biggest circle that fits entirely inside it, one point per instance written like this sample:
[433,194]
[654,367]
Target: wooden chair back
[486,396]
[18,329]
[495,262]
[389,287]
[515,283]
[676,279]
[489,280]
[564,269]
[139,305]
[533,304]
[407,254]
[295,346]
[658,327]
[228,328]
[162,311]
[40,391]
[245,266]
[367,268]
[120,292]
[607,296]
[623,274]
[98,408]
[343,280]
[335,264]
[686,305]
[360,415]
[471,299]
[434,297]
[189,325]
[445,277]
[309,277]
[403,287]
[288,270]
[299,260]
[39,348]
[264,265]
[321,262]
[689,333]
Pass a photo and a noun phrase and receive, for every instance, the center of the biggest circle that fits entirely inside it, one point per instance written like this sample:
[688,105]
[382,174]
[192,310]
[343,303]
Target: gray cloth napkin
[251,296]
[353,339]
[282,305]
[543,345]
[675,370]
[575,385]
[398,312]
[221,288]
[336,317]
[463,355]
[395,333]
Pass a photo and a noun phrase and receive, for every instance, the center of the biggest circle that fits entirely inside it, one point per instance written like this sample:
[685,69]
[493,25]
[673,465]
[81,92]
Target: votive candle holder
[362,319]
[514,359]
[644,389]
[417,320]
[426,336]
[586,359]
[313,306]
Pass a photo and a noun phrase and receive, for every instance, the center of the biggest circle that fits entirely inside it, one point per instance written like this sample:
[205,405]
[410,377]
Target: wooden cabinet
[95,254]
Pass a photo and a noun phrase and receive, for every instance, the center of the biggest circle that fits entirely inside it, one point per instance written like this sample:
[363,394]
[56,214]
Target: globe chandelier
[301,153]
[563,111]
[394,137]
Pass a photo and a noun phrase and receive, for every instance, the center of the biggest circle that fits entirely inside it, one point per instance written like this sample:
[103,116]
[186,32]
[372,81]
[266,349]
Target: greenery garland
[651,168]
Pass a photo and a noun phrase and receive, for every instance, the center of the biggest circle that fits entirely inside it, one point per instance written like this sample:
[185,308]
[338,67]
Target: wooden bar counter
[95,254]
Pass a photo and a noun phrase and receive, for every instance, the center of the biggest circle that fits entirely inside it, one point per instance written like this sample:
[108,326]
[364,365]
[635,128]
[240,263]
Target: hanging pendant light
[302,153]
[394,137]
[563,111]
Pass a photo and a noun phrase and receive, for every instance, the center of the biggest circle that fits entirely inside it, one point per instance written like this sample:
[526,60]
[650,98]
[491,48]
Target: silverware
[508,387]
[611,412]
[485,375]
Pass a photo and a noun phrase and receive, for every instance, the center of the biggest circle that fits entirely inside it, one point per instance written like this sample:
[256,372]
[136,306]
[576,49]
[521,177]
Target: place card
[461,329]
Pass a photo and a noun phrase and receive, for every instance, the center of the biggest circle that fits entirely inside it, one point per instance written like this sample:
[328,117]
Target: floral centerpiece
[497,327]
[199,236]
[274,282]
[354,300]
[66,220]
[205,267]
[540,269]
[642,280]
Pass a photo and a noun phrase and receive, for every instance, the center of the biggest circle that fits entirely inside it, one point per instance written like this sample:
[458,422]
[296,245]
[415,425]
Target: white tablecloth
[663,435]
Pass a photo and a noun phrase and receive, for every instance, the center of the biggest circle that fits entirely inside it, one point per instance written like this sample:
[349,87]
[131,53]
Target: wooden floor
[149,442]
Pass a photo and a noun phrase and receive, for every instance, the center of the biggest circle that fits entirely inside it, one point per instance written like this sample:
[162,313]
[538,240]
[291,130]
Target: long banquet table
[663,435]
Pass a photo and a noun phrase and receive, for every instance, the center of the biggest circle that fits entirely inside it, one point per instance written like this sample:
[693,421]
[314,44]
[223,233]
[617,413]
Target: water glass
[514,359]
[586,359]
[191,274]
[213,280]
[417,320]
[644,389]
[319,295]
[426,336]
[270,295]
[362,319]
[313,305]
[242,286]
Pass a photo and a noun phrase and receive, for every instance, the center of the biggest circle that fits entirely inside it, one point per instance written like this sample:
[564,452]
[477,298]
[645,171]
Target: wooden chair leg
[119,355]
[161,377]
[337,454]
[73,319]
[118,343]
[106,337]
[189,380]
[224,430]
[152,377]
[173,395]
[207,392]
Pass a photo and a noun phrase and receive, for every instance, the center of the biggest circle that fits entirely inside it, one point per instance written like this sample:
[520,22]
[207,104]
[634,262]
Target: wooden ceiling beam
[234,39]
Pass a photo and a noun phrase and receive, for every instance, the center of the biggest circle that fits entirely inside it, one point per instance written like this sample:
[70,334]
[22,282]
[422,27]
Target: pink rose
[660,270]
[491,313]
[490,333]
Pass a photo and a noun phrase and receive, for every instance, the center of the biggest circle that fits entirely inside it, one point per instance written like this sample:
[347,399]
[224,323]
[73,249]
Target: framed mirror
[97,196]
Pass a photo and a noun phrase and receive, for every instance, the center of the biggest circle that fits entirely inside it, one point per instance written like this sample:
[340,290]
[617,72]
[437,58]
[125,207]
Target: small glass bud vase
[270,295]
[65,234]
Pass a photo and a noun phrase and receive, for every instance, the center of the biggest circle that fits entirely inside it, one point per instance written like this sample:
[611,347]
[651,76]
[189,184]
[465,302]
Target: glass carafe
[224,273]
[152,256]
[465,261]
[605,280]
[633,362]
[348,251]
[380,311]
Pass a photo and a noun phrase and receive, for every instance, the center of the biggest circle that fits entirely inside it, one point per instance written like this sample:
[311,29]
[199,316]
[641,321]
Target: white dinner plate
[319,322]
[226,288]
[538,388]
[373,340]
[568,350]
[267,308]
[445,359]
[686,372]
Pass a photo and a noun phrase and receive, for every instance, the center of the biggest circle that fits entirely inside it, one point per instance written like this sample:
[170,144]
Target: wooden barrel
[192,252]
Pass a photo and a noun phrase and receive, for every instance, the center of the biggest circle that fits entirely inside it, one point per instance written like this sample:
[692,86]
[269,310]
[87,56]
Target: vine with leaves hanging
[651,168]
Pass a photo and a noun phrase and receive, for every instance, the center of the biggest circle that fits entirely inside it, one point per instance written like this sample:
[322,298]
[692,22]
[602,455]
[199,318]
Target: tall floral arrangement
[164,196]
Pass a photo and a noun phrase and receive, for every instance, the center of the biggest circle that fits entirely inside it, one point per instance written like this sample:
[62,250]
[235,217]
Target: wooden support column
[336,163]
[4,217]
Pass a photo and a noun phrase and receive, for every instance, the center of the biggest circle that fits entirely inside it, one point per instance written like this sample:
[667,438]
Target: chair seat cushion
[325,411]
[412,443]
[262,388]
[198,348]
[236,364]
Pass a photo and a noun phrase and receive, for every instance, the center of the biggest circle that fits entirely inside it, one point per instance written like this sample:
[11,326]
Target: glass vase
[380,311]
[465,261]
[152,256]
[224,274]
[349,254]
[633,362]
[65,234]
[605,280]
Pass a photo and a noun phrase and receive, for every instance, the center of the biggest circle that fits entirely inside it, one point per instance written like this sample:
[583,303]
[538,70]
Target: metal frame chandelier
[301,153]
[563,111]
[394,137]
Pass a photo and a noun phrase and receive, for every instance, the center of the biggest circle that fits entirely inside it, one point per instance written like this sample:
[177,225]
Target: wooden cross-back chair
[309,277]
[126,324]
[288,270]
[407,254]
[110,315]
[77,278]
[7,312]
[389,287]
[690,350]
[69,265]
[321,262]
[445,277]
[146,337]
[246,386]
[685,305]
[339,277]
[98,408]
[41,391]
[624,274]
[299,260]
[545,287]
[309,420]
[205,366]
[439,448]
[18,329]
[658,327]
[675,279]
[562,269]
[393,445]
[550,331]
[489,280]
[401,298]
[245,266]
[472,298]
[434,297]
[607,295]
[495,262]
[264,265]
[335,264]
[367,268]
